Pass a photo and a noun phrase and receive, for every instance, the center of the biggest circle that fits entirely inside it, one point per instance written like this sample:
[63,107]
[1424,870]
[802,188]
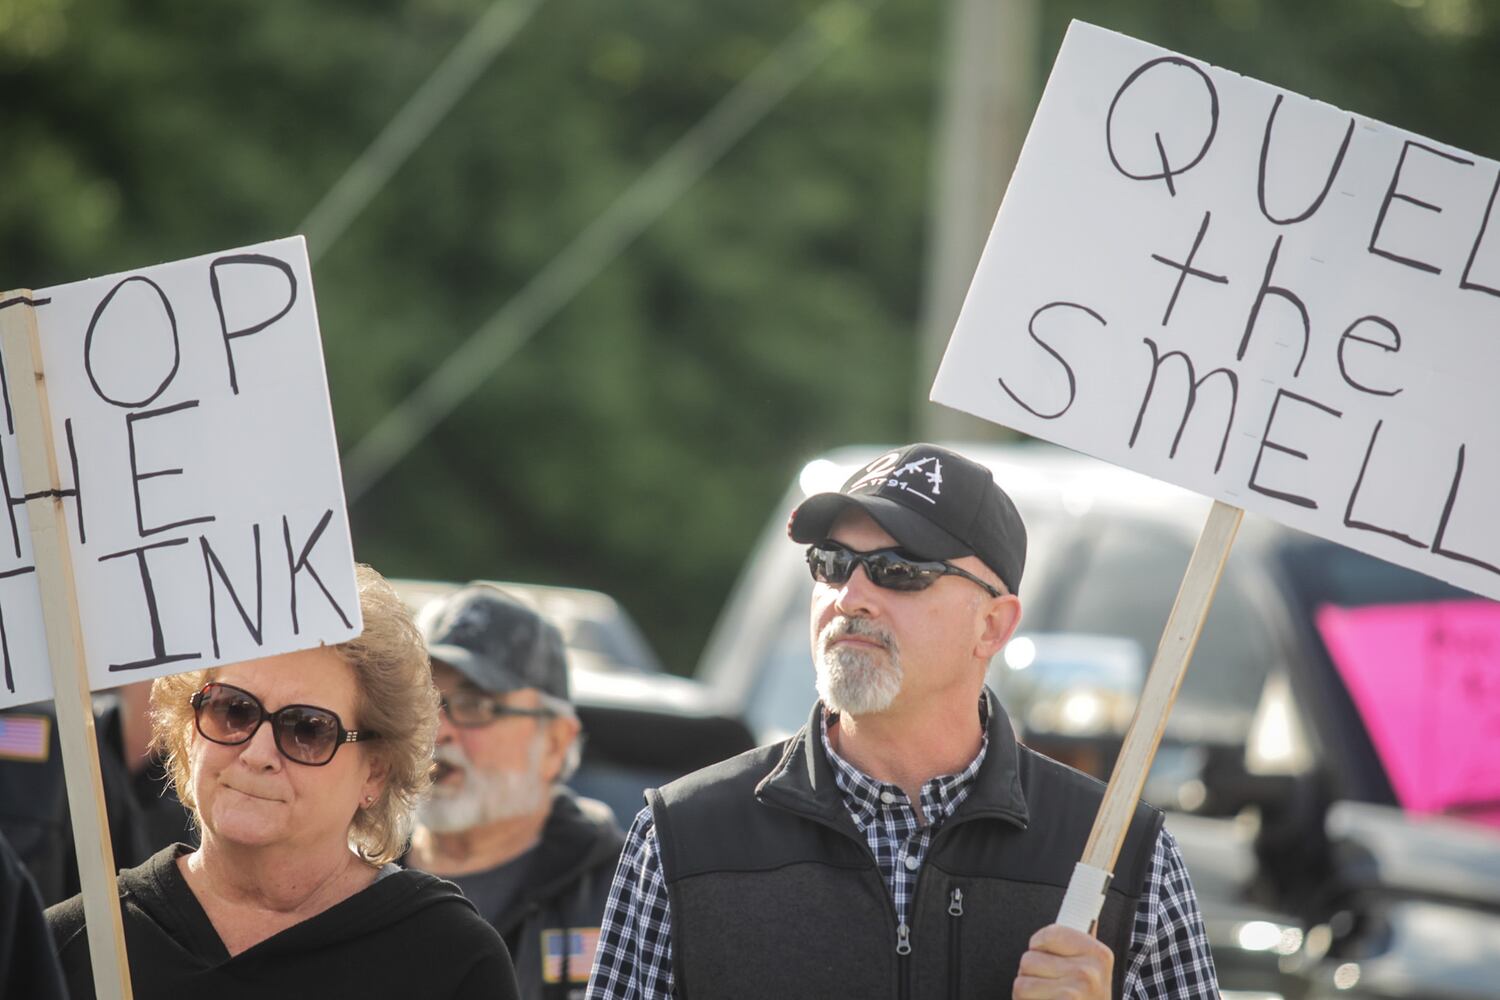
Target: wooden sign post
[1280,305]
[1085,895]
[27,385]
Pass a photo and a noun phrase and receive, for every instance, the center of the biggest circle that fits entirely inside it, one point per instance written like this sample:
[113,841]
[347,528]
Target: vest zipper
[955,949]
[903,959]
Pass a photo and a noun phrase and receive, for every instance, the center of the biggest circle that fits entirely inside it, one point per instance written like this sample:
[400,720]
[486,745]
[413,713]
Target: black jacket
[407,935]
[775,893]
[27,966]
[564,889]
[34,806]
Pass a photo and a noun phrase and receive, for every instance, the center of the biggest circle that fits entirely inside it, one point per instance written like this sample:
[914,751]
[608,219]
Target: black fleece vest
[775,893]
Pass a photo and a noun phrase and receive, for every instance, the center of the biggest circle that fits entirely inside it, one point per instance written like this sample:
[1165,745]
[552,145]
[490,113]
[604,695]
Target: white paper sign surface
[201,483]
[1251,294]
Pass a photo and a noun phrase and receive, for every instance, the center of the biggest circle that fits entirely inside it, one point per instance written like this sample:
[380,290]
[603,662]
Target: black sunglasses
[831,562]
[229,716]
[472,709]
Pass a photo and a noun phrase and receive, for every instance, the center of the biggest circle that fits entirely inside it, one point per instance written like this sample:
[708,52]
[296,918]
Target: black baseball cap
[934,502]
[496,641]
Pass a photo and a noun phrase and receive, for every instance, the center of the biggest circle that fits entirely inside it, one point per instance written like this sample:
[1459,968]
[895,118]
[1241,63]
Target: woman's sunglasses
[830,562]
[304,733]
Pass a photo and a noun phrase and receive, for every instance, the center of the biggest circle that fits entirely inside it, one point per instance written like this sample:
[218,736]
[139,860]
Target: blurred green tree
[637,443]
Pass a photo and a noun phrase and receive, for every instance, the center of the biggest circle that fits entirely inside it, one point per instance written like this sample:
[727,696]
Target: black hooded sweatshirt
[406,935]
[551,923]
[27,968]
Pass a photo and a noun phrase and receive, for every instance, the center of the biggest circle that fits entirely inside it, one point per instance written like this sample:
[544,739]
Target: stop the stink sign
[197,472]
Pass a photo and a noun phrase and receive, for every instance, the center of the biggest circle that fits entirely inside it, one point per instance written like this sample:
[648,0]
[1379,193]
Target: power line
[411,126]
[641,204]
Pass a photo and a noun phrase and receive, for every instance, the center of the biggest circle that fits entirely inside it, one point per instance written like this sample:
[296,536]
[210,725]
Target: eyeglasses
[306,734]
[831,562]
[472,709]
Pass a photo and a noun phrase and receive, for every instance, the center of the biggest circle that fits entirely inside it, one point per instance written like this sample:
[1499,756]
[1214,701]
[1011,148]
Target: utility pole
[986,106]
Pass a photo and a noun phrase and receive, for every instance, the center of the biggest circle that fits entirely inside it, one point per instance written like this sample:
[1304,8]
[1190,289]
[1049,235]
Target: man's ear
[1001,617]
[562,731]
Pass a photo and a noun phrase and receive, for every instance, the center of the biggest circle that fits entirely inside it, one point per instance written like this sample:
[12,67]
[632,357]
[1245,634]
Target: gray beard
[854,681]
[484,796]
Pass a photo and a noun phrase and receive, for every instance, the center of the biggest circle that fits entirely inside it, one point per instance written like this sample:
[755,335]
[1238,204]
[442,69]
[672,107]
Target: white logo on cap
[471,620]
[884,468]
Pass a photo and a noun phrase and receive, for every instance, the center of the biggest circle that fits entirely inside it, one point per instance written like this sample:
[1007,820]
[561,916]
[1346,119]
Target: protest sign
[153,420]
[1435,725]
[197,469]
[1287,307]
[1256,296]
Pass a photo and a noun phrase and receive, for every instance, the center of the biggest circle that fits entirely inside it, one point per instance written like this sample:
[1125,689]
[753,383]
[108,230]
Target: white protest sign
[201,485]
[1254,295]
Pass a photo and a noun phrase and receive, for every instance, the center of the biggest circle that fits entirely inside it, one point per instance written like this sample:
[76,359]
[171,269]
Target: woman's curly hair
[396,698]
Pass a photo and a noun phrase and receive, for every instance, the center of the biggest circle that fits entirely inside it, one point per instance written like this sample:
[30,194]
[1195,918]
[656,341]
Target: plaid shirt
[883,813]
[1169,955]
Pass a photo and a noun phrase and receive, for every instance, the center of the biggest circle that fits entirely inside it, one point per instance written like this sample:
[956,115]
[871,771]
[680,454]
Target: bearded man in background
[533,857]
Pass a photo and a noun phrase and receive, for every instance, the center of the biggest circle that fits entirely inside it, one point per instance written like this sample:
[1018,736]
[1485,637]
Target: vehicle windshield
[1119,576]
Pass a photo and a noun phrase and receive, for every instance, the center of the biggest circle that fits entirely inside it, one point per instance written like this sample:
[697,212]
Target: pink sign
[1426,679]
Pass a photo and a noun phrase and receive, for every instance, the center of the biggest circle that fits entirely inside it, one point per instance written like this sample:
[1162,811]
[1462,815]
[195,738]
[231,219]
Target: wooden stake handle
[20,340]
[1167,670]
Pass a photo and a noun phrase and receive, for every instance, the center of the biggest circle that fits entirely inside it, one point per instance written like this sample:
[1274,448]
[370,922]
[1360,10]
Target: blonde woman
[301,771]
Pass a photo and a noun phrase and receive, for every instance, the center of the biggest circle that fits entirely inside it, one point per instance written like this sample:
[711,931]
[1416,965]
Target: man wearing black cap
[903,844]
[533,857]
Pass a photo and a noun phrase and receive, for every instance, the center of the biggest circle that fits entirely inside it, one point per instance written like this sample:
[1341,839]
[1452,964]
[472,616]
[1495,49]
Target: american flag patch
[580,943]
[25,737]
